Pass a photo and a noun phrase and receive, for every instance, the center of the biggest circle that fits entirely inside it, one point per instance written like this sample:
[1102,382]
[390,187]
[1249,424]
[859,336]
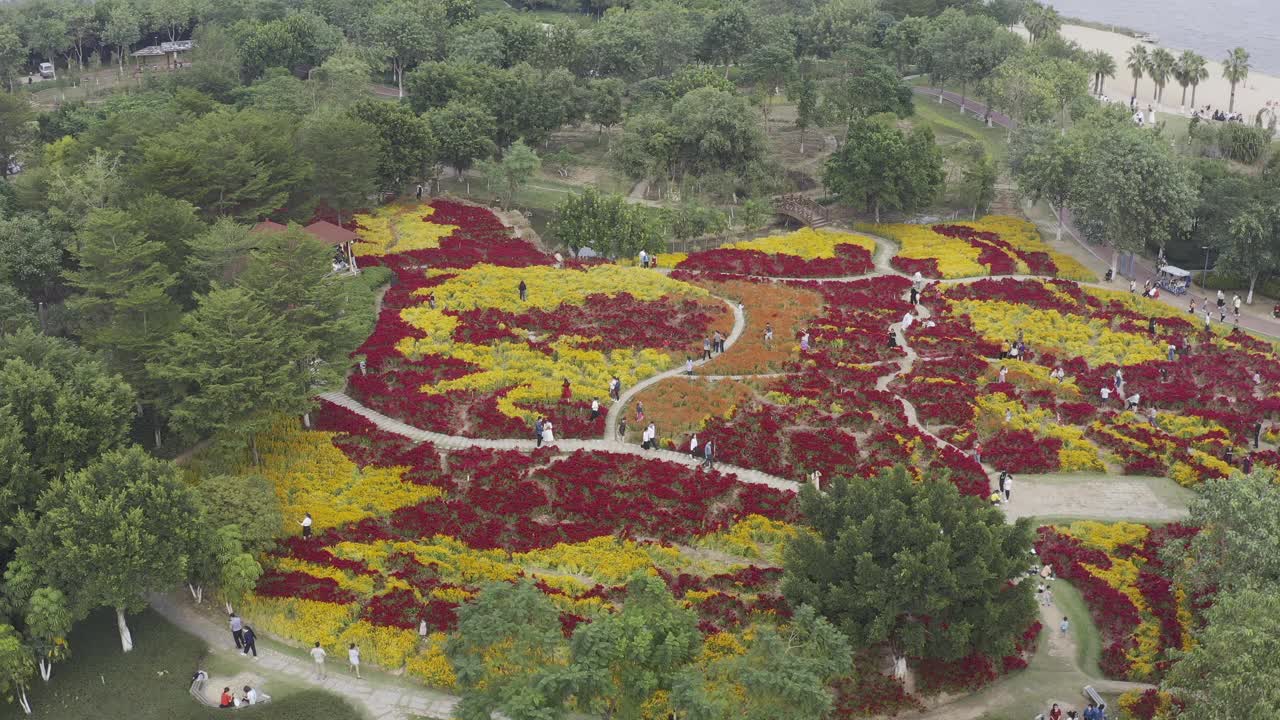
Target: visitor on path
[566,391]
[1005,347]
[1208,320]
[1222,300]
[639,412]
[1151,325]
[250,641]
[893,339]
[1004,373]
[1006,485]
[595,408]
[995,498]
[227,700]
[644,259]
[615,388]
[804,341]
[693,445]
[237,630]
[906,321]
[548,433]
[353,659]
[688,365]
[706,348]
[648,436]
[537,432]
[1235,302]
[1133,286]
[1093,712]
[1248,464]
[718,342]
[1134,399]
[250,695]
[1064,625]
[1257,434]
[418,192]
[306,525]
[708,456]
[1106,393]
[915,295]
[318,654]
[768,334]
[1173,352]
[524,291]
[977,452]
[622,428]
[1191,306]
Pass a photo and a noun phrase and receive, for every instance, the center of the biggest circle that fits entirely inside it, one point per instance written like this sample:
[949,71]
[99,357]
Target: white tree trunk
[306,420]
[1115,259]
[197,592]
[22,700]
[1058,238]
[126,638]
[1253,279]
[229,608]
[900,667]
[46,669]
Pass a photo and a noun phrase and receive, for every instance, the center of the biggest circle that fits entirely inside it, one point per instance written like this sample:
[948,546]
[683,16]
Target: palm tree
[1182,73]
[1042,21]
[1235,69]
[1137,63]
[1197,69]
[1103,66]
[1161,67]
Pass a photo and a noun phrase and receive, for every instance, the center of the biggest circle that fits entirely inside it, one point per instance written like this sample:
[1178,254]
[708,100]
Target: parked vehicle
[46,70]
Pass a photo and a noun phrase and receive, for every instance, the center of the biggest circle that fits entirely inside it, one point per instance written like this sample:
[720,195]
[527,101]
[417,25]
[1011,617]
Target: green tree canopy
[879,167]
[407,146]
[1239,521]
[343,152]
[912,565]
[30,254]
[463,134]
[248,502]
[606,224]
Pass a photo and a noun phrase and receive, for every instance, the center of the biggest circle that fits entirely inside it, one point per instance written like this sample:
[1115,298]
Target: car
[46,70]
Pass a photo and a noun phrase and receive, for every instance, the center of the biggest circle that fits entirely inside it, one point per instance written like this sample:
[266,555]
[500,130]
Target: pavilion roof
[330,233]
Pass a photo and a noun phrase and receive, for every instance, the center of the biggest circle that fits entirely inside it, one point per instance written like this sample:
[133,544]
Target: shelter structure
[338,237]
[170,51]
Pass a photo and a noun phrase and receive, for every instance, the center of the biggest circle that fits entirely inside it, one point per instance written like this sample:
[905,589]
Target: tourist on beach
[318,654]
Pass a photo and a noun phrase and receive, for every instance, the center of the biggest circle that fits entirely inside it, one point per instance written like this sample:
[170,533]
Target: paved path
[380,700]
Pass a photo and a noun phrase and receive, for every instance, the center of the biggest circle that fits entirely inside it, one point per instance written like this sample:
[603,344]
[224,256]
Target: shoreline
[1258,91]
[1104,27]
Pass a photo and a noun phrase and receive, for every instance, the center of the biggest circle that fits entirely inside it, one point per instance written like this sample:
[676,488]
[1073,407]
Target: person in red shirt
[1055,713]
[227,700]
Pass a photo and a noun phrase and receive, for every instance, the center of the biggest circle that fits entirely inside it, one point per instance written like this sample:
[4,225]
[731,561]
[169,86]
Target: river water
[1209,27]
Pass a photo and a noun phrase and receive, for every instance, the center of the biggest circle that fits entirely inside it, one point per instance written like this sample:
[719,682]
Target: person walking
[1064,625]
[804,341]
[595,408]
[418,193]
[639,412]
[1235,303]
[548,433]
[353,659]
[537,432]
[318,655]
[622,428]
[1191,306]
[524,291]
[706,348]
[615,388]
[907,319]
[1257,434]
[1173,352]
[1004,373]
[1151,325]
[1006,485]
[708,456]
[768,334]
[688,365]
[977,452]
[237,630]
[915,295]
[717,342]
[1133,286]
[693,445]
[250,642]
[306,525]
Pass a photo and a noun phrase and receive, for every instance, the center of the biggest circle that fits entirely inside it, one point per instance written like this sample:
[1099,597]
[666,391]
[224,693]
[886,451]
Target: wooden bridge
[802,209]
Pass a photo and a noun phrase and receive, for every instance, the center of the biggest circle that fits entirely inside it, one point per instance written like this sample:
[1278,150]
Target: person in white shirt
[353,659]
[250,695]
[907,320]
[1106,393]
[306,526]
[693,445]
[318,654]
[595,408]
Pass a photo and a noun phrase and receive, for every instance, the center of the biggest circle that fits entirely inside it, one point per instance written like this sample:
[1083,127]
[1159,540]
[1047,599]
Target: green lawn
[949,126]
[99,682]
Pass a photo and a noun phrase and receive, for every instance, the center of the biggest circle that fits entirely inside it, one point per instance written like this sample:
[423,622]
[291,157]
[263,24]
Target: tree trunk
[22,700]
[1231,106]
[1253,279]
[253,443]
[126,638]
[400,78]
[1135,87]
[197,592]
[1059,236]
[900,666]
[1193,95]
[1115,258]
[46,669]
[877,211]
[1184,97]
[157,433]
[306,420]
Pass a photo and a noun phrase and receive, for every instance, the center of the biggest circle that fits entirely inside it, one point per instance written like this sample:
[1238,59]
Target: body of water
[1209,27]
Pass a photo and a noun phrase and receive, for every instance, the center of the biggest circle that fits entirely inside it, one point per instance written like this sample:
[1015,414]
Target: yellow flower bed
[1066,335]
[1077,454]
[362,584]
[535,376]
[311,475]
[1132,700]
[609,559]
[301,621]
[755,538]
[386,647]
[957,258]
[806,243]
[431,666]
[398,228]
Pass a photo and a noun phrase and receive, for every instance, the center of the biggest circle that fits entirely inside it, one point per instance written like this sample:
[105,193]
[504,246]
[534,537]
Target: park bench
[197,691]
[1093,695]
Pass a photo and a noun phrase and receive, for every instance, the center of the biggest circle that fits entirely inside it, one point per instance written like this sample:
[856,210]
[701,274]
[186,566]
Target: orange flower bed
[787,309]
[681,405]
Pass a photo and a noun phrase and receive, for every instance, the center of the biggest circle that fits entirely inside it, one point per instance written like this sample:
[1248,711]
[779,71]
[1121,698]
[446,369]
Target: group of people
[712,345]
[1093,712]
[1150,288]
[1236,302]
[1208,113]
[319,656]
[231,700]
[1004,488]
[544,431]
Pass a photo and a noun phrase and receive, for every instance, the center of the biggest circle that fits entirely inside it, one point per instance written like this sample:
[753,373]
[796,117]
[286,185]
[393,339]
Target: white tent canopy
[1174,271]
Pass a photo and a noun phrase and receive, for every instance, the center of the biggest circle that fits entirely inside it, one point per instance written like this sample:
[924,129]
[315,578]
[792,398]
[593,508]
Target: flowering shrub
[786,309]
[806,253]
[398,228]
[995,245]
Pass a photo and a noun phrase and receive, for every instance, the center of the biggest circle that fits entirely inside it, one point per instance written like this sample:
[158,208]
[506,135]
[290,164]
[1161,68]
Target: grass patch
[1088,640]
[151,683]
[947,123]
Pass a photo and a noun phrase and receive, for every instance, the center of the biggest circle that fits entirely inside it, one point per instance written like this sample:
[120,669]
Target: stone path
[382,701]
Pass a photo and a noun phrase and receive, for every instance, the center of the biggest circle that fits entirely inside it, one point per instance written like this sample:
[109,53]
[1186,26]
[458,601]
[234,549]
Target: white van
[46,70]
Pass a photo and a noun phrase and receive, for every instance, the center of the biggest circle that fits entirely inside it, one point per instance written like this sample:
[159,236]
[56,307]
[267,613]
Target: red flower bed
[849,260]
[964,675]
[869,693]
[1021,451]
[280,584]
[997,253]
[927,267]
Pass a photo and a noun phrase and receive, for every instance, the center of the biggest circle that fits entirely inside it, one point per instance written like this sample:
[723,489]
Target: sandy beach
[1251,95]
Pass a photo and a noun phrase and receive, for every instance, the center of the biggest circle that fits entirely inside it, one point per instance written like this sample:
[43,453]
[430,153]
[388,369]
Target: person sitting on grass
[227,700]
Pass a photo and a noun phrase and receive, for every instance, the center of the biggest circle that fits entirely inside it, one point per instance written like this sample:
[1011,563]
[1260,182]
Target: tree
[518,165]
[13,53]
[217,254]
[122,30]
[1230,670]
[903,40]
[1138,62]
[1161,66]
[621,660]
[407,32]
[805,95]
[30,255]
[1021,87]
[728,35]
[508,646]
[343,152]
[714,131]
[16,311]
[220,559]
[47,35]
[604,102]
[604,223]
[15,130]
[48,622]
[75,190]
[408,147]
[1255,245]
[342,80]
[299,41]
[463,134]
[1069,82]
[913,565]
[871,89]
[170,16]
[1103,66]
[230,365]
[786,672]
[1196,70]
[1239,531]
[16,668]
[1235,68]
[225,500]
[1041,21]
[1137,192]
[978,182]
[111,533]
[880,167]
[1047,166]
[241,164]
[81,24]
